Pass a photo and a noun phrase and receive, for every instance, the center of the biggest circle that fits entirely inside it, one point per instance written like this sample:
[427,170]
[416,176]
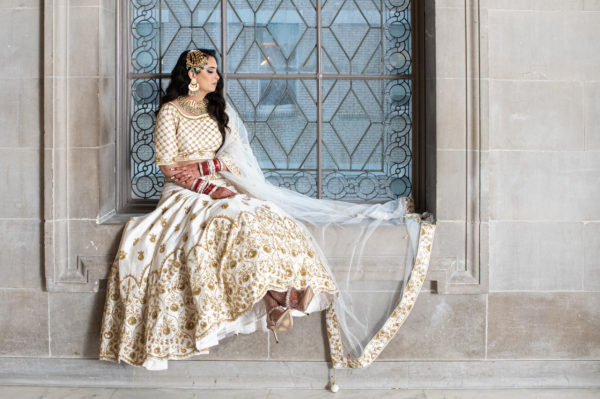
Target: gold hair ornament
[196,60]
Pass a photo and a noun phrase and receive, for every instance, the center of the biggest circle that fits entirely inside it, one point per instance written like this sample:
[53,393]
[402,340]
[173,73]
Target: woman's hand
[222,192]
[182,174]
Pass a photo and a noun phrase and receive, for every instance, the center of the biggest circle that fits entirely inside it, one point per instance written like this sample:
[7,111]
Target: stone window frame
[81,239]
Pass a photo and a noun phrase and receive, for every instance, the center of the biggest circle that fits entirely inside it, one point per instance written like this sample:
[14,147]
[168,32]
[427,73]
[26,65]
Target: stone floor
[22,392]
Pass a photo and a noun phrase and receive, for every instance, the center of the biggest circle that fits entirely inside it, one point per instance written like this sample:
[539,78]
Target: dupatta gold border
[396,319]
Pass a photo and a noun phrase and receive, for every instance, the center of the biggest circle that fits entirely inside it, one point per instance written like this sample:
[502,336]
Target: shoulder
[169,111]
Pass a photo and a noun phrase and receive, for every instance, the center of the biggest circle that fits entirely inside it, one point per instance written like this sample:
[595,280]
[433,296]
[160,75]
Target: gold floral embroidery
[185,281]
[141,255]
[153,238]
[122,255]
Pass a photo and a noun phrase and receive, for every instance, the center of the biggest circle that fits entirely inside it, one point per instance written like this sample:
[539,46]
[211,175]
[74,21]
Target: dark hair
[179,87]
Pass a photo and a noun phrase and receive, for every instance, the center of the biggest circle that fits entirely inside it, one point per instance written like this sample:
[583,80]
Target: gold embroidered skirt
[195,270]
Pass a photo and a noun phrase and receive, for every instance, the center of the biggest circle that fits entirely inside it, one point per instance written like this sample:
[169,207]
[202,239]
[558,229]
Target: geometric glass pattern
[325,90]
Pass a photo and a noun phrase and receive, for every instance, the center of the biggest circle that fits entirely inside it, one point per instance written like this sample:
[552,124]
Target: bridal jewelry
[193,107]
[193,87]
[196,60]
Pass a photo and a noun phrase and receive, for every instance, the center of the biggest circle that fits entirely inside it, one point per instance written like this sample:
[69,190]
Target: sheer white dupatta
[376,292]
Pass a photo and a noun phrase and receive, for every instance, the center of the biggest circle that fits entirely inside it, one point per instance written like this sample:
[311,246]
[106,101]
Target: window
[329,92]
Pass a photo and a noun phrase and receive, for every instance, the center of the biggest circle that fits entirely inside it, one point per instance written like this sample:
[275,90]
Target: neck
[197,97]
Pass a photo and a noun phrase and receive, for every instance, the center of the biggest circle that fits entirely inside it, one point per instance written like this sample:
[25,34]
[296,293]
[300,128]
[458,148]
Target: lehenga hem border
[396,319]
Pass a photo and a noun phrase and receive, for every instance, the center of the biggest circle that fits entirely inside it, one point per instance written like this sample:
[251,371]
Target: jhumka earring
[193,87]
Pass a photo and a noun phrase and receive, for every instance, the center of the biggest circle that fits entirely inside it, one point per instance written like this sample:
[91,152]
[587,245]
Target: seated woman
[211,260]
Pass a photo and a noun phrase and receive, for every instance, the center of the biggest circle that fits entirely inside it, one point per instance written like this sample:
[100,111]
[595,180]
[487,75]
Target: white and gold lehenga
[195,270]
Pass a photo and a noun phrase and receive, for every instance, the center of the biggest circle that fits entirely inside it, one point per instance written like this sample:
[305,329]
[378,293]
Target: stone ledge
[303,375]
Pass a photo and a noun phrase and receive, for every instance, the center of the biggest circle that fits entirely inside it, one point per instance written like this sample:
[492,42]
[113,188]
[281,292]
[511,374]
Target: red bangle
[208,189]
[196,184]
[204,167]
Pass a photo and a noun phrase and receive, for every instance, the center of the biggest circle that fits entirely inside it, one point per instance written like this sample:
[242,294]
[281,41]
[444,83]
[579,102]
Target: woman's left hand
[185,174]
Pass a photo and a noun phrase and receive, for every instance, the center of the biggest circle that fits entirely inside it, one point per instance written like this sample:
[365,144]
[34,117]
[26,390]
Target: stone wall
[514,178]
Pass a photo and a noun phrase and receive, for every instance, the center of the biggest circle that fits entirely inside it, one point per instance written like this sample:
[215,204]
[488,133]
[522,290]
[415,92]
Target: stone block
[536,115]
[591,255]
[441,327]
[19,4]
[21,194]
[83,40]
[75,320]
[23,322]
[543,326]
[240,347]
[306,341]
[106,117]
[451,189]
[544,186]
[88,238]
[21,254]
[526,256]
[84,191]
[450,113]
[84,112]
[591,118]
[20,32]
[107,179]
[558,46]
[107,40]
[449,42]
[539,5]
[449,242]
[20,114]
[591,5]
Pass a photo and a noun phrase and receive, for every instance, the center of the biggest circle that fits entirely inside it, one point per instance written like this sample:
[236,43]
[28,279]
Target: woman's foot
[278,317]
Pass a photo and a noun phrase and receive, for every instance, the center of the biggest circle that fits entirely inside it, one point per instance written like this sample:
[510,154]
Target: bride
[224,252]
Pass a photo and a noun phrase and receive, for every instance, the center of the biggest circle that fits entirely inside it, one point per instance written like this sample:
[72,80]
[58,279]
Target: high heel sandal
[285,322]
[303,302]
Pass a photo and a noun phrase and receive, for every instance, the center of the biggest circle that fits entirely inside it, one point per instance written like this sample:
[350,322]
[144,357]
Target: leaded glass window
[325,90]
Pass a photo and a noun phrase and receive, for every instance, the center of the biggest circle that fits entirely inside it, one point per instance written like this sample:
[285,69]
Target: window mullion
[319,106]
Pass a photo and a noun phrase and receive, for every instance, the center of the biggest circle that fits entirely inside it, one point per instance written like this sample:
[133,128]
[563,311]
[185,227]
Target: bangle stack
[211,167]
[203,186]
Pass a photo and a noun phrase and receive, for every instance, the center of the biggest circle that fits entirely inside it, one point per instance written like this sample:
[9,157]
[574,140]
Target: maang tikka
[196,60]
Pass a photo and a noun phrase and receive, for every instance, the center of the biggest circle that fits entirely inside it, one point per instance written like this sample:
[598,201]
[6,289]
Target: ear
[191,74]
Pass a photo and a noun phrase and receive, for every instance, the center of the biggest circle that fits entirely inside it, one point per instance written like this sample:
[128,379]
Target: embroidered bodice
[180,137]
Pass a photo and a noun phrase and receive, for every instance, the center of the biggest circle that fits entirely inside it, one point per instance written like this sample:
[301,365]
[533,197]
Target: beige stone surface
[83,40]
[591,118]
[451,185]
[20,114]
[20,194]
[591,251]
[75,320]
[537,5]
[83,186]
[543,326]
[84,112]
[240,347]
[23,322]
[591,5]
[20,32]
[535,115]
[21,254]
[450,113]
[306,341]
[450,46]
[23,392]
[556,45]
[544,186]
[526,256]
[107,179]
[441,327]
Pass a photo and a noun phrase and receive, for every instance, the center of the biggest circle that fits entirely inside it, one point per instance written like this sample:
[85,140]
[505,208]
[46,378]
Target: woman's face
[207,78]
